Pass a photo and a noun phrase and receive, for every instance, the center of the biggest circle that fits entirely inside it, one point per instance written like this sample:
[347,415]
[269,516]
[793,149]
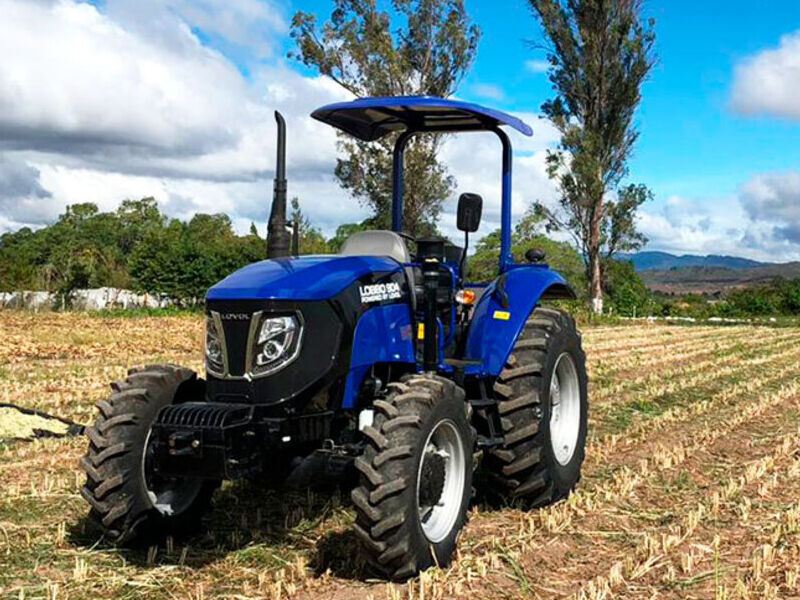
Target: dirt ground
[691,485]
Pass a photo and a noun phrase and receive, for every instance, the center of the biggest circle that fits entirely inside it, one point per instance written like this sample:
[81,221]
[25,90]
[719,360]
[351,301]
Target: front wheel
[129,501]
[415,477]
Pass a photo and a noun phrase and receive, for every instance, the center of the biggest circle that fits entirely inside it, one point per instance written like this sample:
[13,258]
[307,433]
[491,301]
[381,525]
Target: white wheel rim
[438,521]
[168,500]
[565,409]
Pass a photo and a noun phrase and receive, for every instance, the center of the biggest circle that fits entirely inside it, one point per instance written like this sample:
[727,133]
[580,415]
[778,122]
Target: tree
[311,240]
[426,50]
[528,233]
[626,290]
[343,232]
[136,217]
[600,54]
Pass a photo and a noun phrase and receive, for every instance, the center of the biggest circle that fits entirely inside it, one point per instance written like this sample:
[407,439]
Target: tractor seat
[383,243]
[376,243]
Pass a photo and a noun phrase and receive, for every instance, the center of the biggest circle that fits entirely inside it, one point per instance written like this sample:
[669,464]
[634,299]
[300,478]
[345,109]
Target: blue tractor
[384,361]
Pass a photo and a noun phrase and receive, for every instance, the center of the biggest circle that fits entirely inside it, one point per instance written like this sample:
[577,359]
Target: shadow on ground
[264,528]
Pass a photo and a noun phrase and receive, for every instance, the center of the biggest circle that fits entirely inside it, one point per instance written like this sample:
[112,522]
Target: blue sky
[173,98]
[692,142]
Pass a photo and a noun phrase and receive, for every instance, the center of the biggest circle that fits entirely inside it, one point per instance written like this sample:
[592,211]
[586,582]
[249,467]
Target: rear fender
[502,311]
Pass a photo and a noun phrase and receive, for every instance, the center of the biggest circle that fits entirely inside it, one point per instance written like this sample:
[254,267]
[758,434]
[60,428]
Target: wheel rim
[565,409]
[170,496]
[443,454]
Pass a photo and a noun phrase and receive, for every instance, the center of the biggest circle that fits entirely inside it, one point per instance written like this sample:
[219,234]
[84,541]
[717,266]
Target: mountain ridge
[653,260]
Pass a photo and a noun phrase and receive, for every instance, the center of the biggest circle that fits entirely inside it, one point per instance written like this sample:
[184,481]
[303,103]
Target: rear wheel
[128,499]
[543,406]
[415,477]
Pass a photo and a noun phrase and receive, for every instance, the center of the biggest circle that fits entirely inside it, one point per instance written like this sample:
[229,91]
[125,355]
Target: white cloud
[23,197]
[537,66]
[686,227]
[774,199]
[769,82]
[86,82]
[762,221]
[98,106]
[252,27]
[475,159]
[107,111]
[489,91]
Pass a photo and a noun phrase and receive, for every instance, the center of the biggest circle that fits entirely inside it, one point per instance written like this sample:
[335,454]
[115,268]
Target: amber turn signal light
[465,296]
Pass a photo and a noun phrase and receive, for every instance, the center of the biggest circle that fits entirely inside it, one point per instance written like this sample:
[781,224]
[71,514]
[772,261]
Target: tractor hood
[299,278]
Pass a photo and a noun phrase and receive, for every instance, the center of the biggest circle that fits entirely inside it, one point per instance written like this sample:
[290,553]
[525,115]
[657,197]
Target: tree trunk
[595,274]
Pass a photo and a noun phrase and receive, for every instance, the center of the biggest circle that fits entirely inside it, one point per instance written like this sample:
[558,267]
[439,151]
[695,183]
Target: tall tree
[420,47]
[310,238]
[600,52]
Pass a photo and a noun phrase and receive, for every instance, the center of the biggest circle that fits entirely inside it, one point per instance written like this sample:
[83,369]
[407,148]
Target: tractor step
[489,442]
[483,402]
[462,364]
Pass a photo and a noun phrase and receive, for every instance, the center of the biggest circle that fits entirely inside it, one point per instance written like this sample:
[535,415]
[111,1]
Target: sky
[113,99]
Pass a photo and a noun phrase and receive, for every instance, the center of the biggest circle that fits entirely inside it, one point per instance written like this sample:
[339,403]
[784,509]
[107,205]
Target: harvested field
[691,486]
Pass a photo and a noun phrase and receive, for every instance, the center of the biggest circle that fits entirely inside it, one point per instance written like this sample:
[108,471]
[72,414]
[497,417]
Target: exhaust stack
[278,236]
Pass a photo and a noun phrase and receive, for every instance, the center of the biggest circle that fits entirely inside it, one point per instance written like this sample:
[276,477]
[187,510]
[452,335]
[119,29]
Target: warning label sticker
[380,292]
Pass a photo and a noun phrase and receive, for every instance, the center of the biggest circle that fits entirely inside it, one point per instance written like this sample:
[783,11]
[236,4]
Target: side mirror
[534,255]
[469,212]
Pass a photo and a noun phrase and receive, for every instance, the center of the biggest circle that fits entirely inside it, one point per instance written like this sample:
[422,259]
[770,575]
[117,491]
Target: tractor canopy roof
[370,119]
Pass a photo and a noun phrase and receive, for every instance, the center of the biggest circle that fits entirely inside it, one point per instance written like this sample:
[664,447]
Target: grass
[688,489]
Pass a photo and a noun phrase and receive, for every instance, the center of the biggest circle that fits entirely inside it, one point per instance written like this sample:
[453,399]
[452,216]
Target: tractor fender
[383,334]
[502,310]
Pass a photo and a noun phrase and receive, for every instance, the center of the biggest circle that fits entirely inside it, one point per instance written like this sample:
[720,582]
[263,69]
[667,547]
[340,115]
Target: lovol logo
[378,292]
[234,316]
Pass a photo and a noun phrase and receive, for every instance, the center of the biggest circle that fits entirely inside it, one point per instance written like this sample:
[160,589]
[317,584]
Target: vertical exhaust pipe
[278,236]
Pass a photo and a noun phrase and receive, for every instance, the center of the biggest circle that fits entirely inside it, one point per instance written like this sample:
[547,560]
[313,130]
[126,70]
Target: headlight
[215,362]
[278,343]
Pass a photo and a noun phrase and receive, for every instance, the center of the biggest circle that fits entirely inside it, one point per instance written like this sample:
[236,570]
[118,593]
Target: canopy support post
[397,179]
[506,258]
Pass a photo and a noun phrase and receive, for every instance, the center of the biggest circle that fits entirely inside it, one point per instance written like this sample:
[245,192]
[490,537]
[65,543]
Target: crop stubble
[690,485]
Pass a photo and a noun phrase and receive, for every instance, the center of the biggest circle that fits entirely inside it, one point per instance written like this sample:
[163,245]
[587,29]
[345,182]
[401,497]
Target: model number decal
[378,292]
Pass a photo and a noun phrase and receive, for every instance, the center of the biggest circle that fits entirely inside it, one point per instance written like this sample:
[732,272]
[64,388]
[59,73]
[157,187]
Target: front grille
[203,414]
[236,334]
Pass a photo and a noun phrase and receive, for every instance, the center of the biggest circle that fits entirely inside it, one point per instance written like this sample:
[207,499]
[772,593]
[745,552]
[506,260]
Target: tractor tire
[543,408]
[128,502]
[415,482]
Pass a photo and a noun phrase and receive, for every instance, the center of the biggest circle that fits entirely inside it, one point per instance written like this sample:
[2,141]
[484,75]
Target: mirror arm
[464,258]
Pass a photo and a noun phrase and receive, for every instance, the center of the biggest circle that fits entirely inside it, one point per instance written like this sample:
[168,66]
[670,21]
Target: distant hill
[714,280]
[664,261]
[713,274]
